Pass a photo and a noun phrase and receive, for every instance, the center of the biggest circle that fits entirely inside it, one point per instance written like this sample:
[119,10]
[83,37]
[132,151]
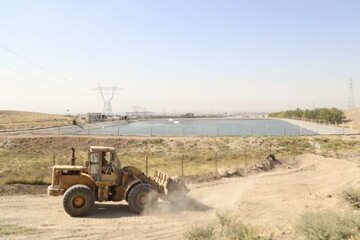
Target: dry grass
[201,233]
[26,120]
[29,159]
[11,230]
[228,227]
[328,225]
[352,195]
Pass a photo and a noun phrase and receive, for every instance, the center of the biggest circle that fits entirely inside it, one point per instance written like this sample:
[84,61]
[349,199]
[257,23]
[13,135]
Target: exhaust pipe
[72,160]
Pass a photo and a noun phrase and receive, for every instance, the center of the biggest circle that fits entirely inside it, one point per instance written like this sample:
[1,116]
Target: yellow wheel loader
[101,178]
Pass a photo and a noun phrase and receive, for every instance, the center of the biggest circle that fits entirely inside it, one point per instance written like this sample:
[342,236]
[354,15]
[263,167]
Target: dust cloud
[179,203]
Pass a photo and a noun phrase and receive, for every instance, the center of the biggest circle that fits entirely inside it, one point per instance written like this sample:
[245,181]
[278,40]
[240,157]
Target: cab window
[95,159]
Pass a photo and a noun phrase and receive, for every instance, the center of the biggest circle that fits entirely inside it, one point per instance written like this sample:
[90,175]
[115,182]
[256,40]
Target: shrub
[201,233]
[352,195]
[328,226]
[15,230]
[234,229]
[231,228]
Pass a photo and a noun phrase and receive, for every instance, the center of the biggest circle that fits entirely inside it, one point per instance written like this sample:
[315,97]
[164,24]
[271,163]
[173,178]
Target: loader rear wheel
[142,196]
[78,200]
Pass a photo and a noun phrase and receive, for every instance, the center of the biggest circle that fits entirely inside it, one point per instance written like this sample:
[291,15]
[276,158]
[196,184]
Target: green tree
[332,115]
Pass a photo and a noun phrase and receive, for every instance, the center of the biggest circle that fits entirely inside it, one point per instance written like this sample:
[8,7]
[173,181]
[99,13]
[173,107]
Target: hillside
[353,115]
[25,120]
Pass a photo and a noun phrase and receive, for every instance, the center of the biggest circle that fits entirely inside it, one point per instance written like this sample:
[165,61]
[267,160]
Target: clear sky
[179,56]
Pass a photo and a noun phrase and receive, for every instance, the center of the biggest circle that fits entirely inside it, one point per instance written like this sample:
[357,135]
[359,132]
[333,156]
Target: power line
[46,70]
[36,78]
[55,86]
[15,80]
[36,64]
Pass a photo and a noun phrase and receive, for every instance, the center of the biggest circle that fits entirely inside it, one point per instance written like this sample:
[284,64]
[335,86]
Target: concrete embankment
[71,129]
[320,128]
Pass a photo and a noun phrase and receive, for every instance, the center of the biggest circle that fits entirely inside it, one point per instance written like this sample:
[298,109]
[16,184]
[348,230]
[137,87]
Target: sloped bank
[320,128]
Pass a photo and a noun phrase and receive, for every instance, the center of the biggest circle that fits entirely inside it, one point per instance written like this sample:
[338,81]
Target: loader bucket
[173,190]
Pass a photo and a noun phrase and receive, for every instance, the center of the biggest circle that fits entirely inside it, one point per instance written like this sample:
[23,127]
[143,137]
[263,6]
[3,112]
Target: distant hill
[353,115]
[25,120]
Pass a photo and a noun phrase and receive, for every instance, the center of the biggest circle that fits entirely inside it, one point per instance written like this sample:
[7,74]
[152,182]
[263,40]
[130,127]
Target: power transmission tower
[351,96]
[107,94]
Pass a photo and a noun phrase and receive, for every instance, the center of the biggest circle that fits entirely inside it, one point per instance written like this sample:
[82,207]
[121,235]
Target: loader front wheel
[142,196]
[78,200]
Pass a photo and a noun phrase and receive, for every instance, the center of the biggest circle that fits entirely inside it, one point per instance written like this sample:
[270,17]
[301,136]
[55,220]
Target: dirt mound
[260,166]
[257,167]
[201,178]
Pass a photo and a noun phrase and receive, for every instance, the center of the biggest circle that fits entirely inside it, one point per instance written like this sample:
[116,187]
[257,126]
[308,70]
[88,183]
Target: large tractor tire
[142,196]
[78,200]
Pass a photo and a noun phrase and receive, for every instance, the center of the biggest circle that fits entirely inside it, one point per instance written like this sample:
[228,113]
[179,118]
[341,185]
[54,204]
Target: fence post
[216,160]
[267,130]
[53,157]
[118,131]
[245,157]
[147,165]
[182,165]
[314,147]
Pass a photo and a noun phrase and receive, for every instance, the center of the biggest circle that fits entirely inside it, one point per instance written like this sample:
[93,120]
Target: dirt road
[271,200]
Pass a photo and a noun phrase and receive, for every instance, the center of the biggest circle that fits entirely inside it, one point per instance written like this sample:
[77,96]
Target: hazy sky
[179,56]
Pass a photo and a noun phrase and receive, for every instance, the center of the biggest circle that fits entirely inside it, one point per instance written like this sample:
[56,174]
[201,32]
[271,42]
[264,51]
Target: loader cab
[103,162]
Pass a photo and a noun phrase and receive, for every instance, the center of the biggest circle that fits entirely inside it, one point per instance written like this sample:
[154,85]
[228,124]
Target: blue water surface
[204,127]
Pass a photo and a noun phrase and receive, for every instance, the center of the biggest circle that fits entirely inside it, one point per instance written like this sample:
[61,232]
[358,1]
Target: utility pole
[107,94]
[351,96]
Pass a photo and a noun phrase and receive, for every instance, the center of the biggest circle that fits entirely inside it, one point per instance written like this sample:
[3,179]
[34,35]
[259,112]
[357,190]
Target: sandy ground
[321,128]
[353,115]
[271,200]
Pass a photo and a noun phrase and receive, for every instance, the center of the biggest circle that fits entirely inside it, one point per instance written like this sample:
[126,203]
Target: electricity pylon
[107,94]
[351,96]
